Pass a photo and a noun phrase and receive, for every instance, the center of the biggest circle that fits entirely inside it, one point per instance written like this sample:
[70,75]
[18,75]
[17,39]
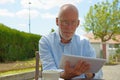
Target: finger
[67,64]
[67,67]
[69,70]
[78,65]
[77,69]
[83,63]
[85,68]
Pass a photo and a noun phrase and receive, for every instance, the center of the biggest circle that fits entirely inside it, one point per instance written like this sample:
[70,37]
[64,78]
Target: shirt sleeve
[46,57]
[91,53]
[99,74]
[88,49]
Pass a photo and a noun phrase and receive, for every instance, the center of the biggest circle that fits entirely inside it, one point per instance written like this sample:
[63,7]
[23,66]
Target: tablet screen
[95,63]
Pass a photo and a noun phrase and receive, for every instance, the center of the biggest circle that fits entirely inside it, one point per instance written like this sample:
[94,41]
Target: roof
[90,36]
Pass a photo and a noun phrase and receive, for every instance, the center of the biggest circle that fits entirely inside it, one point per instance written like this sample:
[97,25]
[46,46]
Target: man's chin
[68,38]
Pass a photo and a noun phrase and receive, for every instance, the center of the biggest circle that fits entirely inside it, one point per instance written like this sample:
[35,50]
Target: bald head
[67,21]
[68,8]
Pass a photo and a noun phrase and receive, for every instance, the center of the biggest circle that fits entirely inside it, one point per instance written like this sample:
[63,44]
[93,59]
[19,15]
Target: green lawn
[17,67]
[16,71]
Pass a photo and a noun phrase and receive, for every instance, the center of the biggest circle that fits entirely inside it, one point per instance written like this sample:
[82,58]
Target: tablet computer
[95,63]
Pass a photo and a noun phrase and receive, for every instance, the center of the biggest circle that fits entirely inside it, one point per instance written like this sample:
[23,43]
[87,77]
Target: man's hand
[89,75]
[70,72]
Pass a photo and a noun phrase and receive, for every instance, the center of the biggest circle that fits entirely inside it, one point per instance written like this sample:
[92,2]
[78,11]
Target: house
[97,45]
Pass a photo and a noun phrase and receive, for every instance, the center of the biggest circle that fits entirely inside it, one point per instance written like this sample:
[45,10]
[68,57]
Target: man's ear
[57,21]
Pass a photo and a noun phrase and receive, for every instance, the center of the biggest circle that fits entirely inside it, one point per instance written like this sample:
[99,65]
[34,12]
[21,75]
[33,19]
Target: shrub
[16,45]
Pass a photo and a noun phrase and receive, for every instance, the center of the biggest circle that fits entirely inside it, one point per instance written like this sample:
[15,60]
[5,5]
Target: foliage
[118,49]
[52,30]
[115,58]
[103,19]
[16,45]
[111,61]
[118,52]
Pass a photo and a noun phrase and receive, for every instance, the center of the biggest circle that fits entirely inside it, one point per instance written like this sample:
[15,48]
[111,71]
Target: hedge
[16,45]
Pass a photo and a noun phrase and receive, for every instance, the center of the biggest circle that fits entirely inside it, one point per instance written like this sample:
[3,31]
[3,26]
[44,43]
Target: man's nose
[70,26]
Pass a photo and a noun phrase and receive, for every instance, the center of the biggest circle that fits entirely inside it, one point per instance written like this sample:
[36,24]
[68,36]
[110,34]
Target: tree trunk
[104,50]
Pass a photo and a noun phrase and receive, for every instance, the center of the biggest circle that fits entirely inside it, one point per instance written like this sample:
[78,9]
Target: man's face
[67,23]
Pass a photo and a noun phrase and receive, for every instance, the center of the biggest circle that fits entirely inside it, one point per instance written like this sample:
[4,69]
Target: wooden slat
[37,65]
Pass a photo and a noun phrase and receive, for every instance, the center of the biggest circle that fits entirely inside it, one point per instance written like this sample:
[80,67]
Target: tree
[103,20]
[52,30]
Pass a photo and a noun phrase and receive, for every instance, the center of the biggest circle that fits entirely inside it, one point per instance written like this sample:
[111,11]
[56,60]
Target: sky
[15,14]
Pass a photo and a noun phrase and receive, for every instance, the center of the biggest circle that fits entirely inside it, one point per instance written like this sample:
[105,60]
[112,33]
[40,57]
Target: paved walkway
[111,72]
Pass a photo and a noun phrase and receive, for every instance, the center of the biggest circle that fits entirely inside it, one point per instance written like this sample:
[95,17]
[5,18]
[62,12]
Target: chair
[37,75]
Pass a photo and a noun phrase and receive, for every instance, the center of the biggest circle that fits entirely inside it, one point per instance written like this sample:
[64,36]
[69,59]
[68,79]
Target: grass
[17,67]
[16,71]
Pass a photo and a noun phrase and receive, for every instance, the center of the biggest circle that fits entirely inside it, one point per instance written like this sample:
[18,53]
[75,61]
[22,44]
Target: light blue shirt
[51,50]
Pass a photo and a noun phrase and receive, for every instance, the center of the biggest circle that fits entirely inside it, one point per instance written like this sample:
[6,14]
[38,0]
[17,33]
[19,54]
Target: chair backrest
[37,65]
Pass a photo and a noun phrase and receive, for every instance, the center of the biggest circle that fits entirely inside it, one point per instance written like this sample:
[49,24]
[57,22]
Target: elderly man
[65,41]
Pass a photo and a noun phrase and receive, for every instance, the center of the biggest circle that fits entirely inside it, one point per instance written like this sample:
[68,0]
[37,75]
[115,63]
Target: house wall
[97,49]
[111,50]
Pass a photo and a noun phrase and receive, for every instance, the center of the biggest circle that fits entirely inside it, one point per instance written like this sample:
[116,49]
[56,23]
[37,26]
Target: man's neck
[65,41]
